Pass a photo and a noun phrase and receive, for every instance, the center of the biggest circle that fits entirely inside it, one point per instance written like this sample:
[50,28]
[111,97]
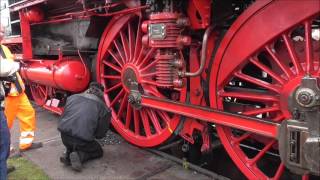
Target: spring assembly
[165,69]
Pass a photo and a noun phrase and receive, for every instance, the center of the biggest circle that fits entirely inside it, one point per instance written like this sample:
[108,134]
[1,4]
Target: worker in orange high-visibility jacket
[17,105]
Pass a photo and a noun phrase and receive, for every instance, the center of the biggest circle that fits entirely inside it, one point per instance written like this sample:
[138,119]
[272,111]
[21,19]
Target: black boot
[65,158]
[34,145]
[75,161]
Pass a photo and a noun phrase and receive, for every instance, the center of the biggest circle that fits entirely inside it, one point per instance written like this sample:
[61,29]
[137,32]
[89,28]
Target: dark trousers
[4,145]
[87,150]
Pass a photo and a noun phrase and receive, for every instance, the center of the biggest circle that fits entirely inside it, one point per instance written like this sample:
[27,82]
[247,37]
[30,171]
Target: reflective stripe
[26,133]
[26,140]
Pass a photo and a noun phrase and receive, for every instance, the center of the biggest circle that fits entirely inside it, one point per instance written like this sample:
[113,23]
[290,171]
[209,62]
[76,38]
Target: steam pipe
[203,55]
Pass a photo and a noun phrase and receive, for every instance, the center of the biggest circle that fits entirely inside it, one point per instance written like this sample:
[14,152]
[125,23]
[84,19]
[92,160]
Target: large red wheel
[122,59]
[260,63]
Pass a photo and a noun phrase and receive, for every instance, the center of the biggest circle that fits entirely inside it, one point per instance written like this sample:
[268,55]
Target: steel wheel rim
[249,165]
[158,126]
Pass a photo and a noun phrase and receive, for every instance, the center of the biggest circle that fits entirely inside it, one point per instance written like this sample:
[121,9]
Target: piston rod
[255,125]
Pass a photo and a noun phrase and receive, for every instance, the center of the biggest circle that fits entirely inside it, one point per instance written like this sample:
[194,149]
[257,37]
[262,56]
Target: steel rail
[255,125]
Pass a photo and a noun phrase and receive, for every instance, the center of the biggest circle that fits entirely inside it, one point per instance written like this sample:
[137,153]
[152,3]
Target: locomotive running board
[255,125]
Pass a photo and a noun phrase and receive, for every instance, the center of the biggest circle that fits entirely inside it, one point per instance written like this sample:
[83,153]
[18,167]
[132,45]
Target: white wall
[5,16]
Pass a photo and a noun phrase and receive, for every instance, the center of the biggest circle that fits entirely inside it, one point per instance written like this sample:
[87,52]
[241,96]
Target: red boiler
[66,74]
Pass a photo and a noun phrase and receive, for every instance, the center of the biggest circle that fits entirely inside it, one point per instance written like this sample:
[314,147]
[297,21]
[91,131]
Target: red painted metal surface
[66,74]
[263,128]
[173,24]
[128,53]
[199,12]
[34,14]
[12,40]
[26,36]
[242,50]
[122,57]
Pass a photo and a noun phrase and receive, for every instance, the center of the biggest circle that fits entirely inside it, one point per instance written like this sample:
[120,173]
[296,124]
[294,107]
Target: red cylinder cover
[69,75]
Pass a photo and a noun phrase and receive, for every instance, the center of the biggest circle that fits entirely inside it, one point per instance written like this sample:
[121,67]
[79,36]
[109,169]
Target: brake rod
[238,121]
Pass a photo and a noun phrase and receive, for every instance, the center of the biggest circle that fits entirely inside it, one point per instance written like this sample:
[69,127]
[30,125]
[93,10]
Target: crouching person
[85,118]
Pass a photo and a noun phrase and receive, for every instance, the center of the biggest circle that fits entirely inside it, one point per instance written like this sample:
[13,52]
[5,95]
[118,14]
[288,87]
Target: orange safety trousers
[20,107]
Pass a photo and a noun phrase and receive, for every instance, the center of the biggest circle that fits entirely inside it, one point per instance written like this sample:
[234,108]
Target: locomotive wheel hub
[129,76]
[287,91]
[300,136]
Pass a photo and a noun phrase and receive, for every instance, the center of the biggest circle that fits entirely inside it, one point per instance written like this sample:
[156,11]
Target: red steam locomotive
[247,71]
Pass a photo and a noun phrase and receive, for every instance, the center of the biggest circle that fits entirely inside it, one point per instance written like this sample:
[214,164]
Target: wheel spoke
[292,54]
[140,54]
[261,111]
[115,57]
[114,67]
[149,74]
[154,91]
[262,152]
[237,140]
[250,96]
[42,91]
[154,62]
[165,117]
[268,71]
[257,82]
[154,120]
[308,47]
[285,69]
[117,97]
[131,42]
[119,50]
[114,87]
[278,118]
[149,82]
[122,104]
[125,46]
[279,172]
[145,122]
[136,122]
[147,57]
[111,77]
[128,117]
[138,41]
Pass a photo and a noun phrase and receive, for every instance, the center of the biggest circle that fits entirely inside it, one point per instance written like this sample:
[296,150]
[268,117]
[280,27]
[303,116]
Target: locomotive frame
[177,67]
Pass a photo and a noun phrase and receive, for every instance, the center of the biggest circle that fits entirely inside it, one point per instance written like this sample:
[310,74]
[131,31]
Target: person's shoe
[10,169]
[34,145]
[65,159]
[75,161]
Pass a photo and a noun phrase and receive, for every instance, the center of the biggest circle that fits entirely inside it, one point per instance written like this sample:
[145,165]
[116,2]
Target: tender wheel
[122,59]
[39,93]
[257,77]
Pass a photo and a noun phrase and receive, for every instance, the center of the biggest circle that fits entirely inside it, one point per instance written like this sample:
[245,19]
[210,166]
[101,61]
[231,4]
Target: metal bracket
[134,97]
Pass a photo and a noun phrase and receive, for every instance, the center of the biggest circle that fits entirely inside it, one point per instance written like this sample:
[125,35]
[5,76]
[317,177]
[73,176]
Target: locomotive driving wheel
[123,60]
[259,65]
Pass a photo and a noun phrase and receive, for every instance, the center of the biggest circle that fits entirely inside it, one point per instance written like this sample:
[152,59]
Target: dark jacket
[85,117]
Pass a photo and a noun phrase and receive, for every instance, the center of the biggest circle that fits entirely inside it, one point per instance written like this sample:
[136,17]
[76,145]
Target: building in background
[5,16]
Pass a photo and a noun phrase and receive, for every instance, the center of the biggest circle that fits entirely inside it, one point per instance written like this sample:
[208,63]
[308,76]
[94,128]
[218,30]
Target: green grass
[25,170]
